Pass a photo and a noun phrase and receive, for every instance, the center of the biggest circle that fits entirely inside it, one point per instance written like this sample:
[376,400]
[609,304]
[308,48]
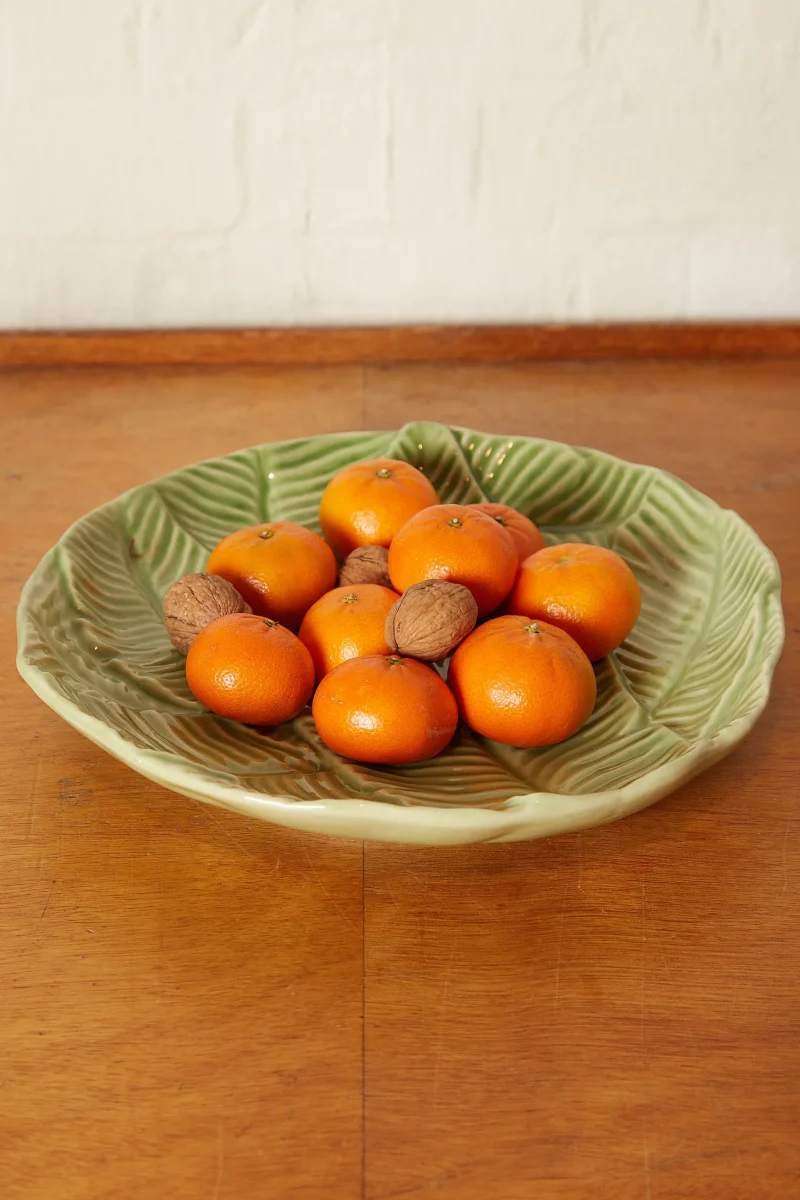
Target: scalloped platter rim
[678,695]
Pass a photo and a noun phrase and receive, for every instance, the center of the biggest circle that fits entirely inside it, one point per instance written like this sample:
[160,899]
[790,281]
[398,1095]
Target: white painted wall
[181,162]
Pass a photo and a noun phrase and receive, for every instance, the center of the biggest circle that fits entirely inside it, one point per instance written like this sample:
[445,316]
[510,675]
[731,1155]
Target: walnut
[366,564]
[430,619]
[194,602]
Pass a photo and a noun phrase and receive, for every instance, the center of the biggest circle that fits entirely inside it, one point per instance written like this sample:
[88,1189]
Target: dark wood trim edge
[404,343]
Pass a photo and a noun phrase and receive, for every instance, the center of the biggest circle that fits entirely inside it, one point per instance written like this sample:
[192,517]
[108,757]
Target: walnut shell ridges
[194,601]
[366,564]
[430,619]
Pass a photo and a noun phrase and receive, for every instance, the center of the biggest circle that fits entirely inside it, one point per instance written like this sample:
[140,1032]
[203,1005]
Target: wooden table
[199,1006]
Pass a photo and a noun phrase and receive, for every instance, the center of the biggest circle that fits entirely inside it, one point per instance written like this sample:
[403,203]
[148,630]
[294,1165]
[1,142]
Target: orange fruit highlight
[347,622]
[280,568]
[586,590]
[366,503]
[522,682]
[250,669]
[525,535]
[458,543]
[385,709]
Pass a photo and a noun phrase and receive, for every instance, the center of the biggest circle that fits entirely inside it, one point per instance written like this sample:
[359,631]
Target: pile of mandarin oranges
[531,620]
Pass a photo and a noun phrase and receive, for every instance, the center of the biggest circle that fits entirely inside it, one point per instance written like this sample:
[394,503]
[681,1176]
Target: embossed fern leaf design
[710,624]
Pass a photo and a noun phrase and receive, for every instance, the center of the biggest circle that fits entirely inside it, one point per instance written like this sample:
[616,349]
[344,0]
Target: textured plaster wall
[174,162]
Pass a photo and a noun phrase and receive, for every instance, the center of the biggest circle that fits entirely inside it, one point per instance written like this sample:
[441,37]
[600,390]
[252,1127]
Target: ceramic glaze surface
[683,689]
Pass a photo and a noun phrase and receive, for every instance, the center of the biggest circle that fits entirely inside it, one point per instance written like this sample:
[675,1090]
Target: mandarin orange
[385,709]
[250,669]
[280,568]
[525,535]
[522,682]
[347,622]
[458,543]
[366,503]
[586,590]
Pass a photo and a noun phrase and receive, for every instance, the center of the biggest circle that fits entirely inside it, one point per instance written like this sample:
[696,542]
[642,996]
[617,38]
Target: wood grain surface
[199,1006]
[402,343]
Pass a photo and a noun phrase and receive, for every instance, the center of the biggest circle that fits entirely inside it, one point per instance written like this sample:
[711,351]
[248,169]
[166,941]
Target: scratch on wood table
[325,892]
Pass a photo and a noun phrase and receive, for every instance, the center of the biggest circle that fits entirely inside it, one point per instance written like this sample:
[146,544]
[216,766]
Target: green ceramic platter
[678,695]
